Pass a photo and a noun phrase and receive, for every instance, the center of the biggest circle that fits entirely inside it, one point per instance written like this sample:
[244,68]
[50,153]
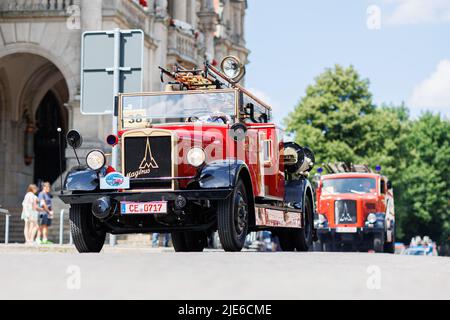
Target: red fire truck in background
[355,209]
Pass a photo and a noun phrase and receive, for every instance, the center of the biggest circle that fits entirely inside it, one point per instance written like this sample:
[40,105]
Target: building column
[160,34]
[91,15]
[180,10]
[192,13]
[208,21]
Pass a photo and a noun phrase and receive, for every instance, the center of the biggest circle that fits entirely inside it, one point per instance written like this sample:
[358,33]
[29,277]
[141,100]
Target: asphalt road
[150,274]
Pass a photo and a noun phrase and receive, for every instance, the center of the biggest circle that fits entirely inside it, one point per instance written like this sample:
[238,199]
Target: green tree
[426,179]
[339,121]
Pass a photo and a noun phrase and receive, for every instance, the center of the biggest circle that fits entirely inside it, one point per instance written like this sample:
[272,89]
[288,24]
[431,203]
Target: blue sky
[402,46]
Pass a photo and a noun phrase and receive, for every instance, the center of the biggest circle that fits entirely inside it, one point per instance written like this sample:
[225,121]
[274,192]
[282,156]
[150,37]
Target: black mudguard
[81,178]
[296,192]
[221,174]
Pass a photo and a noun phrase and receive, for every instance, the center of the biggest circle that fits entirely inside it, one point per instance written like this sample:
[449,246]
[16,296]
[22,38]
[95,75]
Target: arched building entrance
[33,93]
[50,116]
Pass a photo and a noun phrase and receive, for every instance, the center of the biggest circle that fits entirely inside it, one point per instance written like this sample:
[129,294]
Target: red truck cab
[355,209]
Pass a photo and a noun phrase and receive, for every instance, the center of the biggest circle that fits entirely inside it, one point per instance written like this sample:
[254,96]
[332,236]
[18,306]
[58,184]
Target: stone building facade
[40,44]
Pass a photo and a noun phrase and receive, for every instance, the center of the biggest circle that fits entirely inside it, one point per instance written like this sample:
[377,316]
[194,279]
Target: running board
[272,216]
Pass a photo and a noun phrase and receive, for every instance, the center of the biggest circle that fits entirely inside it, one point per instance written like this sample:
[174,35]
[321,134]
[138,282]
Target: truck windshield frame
[141,110]
[349,185]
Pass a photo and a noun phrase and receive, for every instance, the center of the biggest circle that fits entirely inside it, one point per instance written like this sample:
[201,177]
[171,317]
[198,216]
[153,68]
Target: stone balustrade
[182,45]
[136,16]
[18,7]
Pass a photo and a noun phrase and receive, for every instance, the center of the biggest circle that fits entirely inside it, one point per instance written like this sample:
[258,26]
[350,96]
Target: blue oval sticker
[114,179]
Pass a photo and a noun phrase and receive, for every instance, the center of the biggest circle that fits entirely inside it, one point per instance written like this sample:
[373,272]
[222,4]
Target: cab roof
[351,175]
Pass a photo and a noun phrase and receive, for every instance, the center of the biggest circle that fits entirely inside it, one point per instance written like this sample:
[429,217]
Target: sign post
[111,63]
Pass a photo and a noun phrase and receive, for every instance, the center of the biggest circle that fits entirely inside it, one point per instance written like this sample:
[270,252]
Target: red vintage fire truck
[355,208]
[201,156]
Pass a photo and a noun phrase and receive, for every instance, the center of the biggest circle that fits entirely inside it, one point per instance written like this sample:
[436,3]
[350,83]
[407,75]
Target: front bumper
[337,235]
[190,195]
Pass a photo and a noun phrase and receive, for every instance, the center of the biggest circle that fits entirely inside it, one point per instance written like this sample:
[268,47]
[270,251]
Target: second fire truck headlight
[95,159]
[196,157]
[322,219]
[371,218]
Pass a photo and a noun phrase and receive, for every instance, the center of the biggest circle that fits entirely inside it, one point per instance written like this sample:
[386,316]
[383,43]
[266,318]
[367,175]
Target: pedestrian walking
[155,239]
[30,213]
[46,216]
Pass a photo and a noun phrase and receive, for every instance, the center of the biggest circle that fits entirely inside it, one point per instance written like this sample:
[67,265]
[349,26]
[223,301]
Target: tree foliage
[426,178]
[339,121]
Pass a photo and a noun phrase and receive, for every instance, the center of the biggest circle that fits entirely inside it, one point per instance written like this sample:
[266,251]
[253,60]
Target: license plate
[143,207]
[346,230]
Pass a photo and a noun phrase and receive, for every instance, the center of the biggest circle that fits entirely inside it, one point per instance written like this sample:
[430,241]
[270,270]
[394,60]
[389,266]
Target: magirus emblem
[148,161]
[345,216]
[147,164]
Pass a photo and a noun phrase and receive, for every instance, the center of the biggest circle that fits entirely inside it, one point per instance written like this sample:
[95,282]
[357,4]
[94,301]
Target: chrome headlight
[196,157]
[95,159]
[371,218]
[322,219]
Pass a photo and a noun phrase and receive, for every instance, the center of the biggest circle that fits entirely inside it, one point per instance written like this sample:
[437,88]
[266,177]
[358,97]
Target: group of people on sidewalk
[37,214]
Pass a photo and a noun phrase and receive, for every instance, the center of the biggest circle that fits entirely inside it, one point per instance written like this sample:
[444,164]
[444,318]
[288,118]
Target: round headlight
[322,219]
[233,68]
[95,159]
[371,218]
[196,157]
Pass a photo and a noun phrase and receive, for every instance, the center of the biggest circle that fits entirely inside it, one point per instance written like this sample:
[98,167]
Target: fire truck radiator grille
[146,159]
[345,211]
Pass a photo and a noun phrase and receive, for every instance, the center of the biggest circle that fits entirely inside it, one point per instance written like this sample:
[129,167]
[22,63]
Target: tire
[317,246]
[328,247]
[286,239]
[389,247]
[178,242]
[232,219]
[189,241]
[87,234]
[303,238]
[378,243]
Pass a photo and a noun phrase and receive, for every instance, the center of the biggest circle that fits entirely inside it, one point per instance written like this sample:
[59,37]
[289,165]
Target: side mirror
[74,139]
[389,185]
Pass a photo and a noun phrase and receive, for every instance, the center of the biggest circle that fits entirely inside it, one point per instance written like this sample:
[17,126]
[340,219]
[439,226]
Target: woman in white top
[30,213]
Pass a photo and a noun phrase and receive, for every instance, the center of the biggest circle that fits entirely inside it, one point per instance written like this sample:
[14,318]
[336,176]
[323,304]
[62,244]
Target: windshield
[349,185]
[415,252]
[215,107]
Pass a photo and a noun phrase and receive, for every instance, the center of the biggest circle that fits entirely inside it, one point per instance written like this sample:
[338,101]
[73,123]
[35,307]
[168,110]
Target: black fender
[81,178]
[381,221]
[221,174]
[296,191]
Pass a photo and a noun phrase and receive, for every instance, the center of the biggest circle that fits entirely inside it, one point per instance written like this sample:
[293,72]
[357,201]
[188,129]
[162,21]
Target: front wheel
[378,243]
[189,241]
[232,219]
[87,233]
